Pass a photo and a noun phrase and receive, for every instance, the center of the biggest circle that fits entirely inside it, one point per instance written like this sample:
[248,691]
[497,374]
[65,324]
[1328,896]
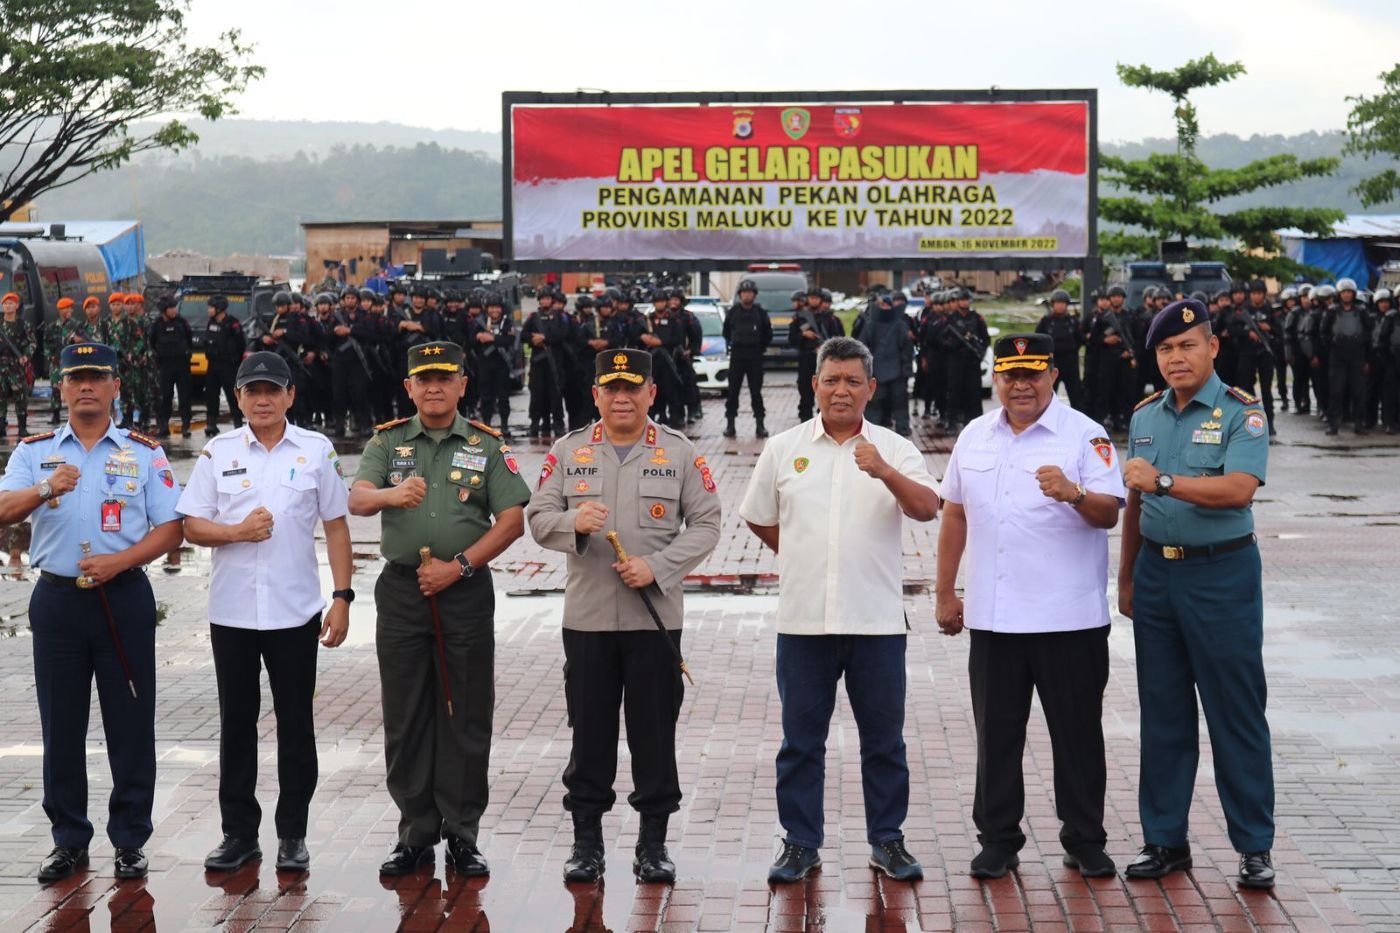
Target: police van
[249,303]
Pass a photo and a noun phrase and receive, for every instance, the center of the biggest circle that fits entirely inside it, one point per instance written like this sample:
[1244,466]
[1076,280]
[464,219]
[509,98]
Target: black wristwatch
[1164,484]
[347,595]
[466,565]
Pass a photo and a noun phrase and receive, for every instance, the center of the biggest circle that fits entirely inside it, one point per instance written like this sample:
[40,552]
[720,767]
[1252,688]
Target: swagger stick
[425,555]
[651,608]
[88,583]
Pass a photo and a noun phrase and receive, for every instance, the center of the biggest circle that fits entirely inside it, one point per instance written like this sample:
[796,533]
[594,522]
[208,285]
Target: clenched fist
[64,479]
[590,518]
[1055,485]
[257,526]
[869,460]
[409,494]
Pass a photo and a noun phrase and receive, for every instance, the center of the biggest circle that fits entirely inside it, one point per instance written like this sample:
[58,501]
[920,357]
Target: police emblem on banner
[846,122]
[796,122]
[743,124]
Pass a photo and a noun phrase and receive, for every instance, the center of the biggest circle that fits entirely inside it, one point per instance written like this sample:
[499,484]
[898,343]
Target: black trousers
[1346,389]
[748,364]
[964,387]
[1302,382]
[1390,393]
[494,375]
[891,404]
[218,381]
[73,646]
[637,672]
[1067,362]
[806,394]
[546,395]
[349,384]
[1069,670]
[290,657]
[437,764]
[173,373]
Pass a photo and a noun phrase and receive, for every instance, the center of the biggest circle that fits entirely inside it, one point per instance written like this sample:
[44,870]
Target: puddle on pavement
[1336,496]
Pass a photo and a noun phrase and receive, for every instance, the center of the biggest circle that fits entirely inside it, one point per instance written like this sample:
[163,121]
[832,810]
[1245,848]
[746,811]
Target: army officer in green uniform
[1190,579]
[452,486]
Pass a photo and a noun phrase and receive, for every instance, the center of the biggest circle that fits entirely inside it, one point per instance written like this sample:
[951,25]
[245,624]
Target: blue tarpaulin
[1345,259]
[1357,246]
[122,243]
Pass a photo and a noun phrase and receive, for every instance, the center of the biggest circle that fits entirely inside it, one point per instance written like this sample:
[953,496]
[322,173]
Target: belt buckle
[1173,553]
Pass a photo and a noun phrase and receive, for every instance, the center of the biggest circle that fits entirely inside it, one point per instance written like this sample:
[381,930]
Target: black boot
[759,430]
[586,861]
[653,864]
[729,430]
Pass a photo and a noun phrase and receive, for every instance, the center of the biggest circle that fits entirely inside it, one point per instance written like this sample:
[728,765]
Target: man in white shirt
[254,497]
[1030,493]
[836,490]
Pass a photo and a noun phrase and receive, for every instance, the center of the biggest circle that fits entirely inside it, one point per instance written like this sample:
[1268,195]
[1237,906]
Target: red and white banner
[739,183]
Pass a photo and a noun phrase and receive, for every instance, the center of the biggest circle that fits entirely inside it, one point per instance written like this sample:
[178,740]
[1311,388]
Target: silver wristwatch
[45,490]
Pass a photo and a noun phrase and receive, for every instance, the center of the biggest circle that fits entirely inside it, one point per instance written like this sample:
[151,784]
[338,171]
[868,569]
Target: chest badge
[659,457]
[581,486]
[403,451]
[583,455]
[455,475]
[474,439]
[801,464]
[658,511]
[475,480]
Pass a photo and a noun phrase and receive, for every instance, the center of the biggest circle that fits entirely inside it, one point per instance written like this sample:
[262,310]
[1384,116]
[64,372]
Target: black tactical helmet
[282,298]
[1150,293]
[218,302]
[451,295]
[1238,287]
[826,295]
[898,297]
[301,301]
[492,299]
[325,298]
[746,285]
[377,300]
[1199,296]
[814,291]
[676,293]
[583,301]
[612,295]
[1117,290]
[1059,294]
[657,295]
[799,295]
[475,297]
[1257,285]
[1218,294]
[396,288]
[367,294]
[963,294]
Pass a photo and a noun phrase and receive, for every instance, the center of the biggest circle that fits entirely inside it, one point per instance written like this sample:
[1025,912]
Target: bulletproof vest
[1062,328]
[745,332]
[1346,326]
[1394,317]
[168,338]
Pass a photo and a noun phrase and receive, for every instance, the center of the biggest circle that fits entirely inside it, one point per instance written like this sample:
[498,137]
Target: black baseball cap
[263,366]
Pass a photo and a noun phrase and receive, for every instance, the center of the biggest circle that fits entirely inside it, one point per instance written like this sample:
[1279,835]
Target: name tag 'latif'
[1203,436]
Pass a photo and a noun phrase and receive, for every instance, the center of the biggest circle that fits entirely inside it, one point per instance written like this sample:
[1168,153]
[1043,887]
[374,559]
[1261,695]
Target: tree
[1374,129]
[76,74]
[1176,191]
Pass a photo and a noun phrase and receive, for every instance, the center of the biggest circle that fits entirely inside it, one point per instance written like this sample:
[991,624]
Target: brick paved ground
[1328,521]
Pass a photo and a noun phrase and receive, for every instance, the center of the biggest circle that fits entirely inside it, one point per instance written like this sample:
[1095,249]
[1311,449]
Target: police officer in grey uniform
[624,473]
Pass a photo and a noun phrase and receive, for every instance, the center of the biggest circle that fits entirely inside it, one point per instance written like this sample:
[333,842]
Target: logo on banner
[796,122]
[743,124]
[846,122]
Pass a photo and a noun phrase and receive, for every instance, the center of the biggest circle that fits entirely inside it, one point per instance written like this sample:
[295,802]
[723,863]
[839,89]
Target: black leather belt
[401,570]
[1188,551]
[58,580]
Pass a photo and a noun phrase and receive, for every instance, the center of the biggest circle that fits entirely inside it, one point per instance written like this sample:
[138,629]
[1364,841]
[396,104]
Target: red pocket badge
[111,515]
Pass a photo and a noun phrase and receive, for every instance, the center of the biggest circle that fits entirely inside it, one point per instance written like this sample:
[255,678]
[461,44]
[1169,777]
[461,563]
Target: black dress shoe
[653,865]
[586,861]
[131,863]
[794,864]
[292,855]
[1256,870]
[406,859]
[466,858]
[233,852]
[894,859]
[993,862]
[62,862]
[1158,861]
[1092,861]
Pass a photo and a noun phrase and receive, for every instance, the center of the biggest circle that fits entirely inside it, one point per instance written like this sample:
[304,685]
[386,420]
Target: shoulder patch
[1242,395]
[1149,400]
[145,440]
[392,424]
[205,453]
[484,427]
[38,437]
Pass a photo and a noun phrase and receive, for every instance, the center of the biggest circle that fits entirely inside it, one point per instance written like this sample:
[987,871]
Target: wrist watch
[1164,484]
[466,565]
[1080,494]
[45,490]
[347,595]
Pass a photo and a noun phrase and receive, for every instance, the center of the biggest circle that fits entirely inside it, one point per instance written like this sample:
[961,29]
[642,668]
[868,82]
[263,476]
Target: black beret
[1176,318]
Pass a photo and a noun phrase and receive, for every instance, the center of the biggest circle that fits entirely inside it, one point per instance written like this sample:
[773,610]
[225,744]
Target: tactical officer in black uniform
[494,344]
[1065,330]
[665,341]
[965,341]
[289,335]
[349,340]
[418,322]
[1111,342]
[808,330]
[223,345]
[588,331]
[457,325]
[748,332]
[1346,332]
[548,333]
[1387,357]
[1254,331]
[171,342]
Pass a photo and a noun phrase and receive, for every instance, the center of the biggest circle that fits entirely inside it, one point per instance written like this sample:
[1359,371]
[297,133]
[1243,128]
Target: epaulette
[145,440]
[392,424]
[1149,400]
[38,437]
[485,427]
[1242,395]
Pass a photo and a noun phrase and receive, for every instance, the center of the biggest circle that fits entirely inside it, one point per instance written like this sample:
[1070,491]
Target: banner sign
[875,181]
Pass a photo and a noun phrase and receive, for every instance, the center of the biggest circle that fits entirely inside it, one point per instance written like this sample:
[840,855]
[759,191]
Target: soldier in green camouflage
[57,333]
[16,351]
[120,328]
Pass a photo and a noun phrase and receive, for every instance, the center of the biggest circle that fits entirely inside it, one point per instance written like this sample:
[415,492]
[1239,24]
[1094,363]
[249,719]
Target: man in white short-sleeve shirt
[255,497]
[1031,491]
[834,492]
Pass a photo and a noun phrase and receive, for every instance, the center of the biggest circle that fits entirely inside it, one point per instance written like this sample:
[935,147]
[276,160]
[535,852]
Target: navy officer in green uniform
[447,484]
[1190,580]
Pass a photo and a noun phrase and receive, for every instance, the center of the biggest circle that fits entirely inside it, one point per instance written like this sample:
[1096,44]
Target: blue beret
[79,356]
[1176,318]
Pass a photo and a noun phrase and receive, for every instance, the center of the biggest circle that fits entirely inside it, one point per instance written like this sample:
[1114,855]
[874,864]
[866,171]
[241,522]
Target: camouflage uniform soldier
[56,334]
[142,363]
[16,350]
[119,337]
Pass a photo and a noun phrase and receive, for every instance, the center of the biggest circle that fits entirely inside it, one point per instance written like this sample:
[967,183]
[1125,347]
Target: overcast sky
[442,64]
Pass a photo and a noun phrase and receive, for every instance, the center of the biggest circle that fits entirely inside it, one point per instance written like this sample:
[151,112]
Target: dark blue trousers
[1198,626]
[72,646]
[809,667]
